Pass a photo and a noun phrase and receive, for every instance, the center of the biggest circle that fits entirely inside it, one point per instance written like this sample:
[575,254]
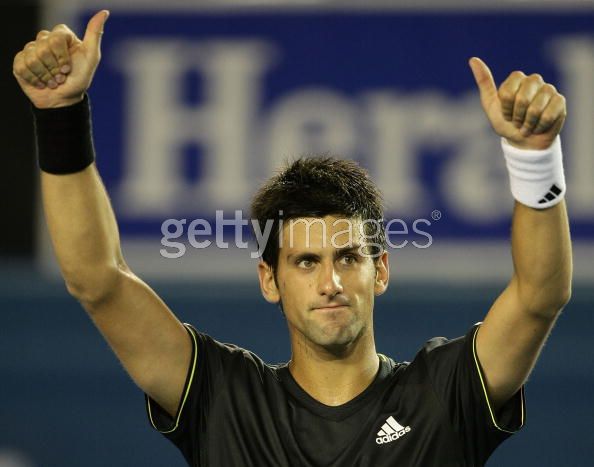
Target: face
[325,282]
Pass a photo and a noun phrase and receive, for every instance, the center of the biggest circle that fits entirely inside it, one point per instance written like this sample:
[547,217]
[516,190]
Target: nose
[329,281]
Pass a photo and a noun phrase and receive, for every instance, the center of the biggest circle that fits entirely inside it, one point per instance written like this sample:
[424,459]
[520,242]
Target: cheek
[363,285]
[293,291]
[298,293]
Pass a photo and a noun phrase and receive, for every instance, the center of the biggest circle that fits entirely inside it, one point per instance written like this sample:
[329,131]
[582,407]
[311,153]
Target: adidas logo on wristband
[554,191]
[536,175]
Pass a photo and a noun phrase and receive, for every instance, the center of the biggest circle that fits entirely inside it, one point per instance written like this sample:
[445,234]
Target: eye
[305,263]
[348,259]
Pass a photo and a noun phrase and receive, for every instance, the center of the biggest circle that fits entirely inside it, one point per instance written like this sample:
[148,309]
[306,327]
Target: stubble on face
[335,337]
[332,321]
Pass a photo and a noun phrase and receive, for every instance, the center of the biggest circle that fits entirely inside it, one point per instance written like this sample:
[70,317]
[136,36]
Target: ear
[267,283]
[382,274]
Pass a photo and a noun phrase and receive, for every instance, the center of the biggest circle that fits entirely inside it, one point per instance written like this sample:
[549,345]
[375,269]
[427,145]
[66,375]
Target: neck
[334,377]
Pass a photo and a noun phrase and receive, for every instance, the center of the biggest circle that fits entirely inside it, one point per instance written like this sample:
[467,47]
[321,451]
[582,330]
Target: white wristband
[536,176]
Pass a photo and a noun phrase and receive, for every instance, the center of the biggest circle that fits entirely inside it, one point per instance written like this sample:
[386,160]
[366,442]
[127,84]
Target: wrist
[536,176]
[57,104]
[63,137]
[531,146]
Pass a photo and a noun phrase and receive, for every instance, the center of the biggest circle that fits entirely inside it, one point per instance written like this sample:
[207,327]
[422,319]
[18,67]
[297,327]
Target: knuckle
[31,60]
[536,77]
[517,74]
[43,33]
[44,53]
[505,94]
[55,40]
[17,58]
[549,88]
[30,45]
[19,69]
[57,27]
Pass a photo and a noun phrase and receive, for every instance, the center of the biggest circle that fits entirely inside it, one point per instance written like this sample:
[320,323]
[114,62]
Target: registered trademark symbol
[436,215]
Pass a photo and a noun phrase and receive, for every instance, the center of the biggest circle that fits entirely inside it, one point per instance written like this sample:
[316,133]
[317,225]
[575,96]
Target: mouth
[331,309]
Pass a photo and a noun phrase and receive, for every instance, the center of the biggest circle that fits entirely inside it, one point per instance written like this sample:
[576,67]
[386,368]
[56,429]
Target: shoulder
[228,359]
[442,347]
[440,355]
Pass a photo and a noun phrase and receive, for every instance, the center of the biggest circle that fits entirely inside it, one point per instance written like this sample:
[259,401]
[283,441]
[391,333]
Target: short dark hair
[318,187]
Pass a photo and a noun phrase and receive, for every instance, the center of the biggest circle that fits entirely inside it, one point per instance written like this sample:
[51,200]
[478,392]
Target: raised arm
[529,114]
[55,71]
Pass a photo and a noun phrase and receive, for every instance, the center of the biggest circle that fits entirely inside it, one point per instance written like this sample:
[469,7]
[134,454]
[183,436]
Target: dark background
[17,176]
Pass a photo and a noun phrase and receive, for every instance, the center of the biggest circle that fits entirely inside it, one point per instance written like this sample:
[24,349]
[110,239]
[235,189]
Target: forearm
[83,230]
[541,251]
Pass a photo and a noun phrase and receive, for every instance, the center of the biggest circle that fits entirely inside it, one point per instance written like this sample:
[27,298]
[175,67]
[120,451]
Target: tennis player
[337,402]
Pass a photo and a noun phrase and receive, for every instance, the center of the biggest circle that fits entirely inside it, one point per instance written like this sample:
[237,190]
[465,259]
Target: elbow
[564,297]
[560,299]
[546,301]
[91,287]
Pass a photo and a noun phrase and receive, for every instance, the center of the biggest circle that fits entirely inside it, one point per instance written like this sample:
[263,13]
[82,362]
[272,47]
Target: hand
[57,68]
[526,111]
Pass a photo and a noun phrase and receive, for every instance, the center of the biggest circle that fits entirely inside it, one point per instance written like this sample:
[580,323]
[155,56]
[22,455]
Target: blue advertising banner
[194,109]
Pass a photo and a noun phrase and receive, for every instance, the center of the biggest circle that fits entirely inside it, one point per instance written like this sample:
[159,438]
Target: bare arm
[83,231]
[517,325]
[151,343]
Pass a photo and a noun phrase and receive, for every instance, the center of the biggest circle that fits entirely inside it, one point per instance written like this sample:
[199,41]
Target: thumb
[484,81]
[94,31]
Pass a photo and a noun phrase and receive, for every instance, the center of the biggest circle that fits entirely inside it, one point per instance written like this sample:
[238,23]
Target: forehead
[309,233]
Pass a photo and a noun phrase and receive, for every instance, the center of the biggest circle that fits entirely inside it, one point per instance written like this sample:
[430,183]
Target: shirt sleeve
[205,372]
[457,379]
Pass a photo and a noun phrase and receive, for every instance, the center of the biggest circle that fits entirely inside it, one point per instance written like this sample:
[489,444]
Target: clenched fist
[57,68]
[525,110]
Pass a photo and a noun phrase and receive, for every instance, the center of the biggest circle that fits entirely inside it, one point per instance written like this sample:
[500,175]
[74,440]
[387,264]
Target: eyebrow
[337,253]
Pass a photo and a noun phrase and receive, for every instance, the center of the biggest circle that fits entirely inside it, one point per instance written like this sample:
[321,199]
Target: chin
[341,341]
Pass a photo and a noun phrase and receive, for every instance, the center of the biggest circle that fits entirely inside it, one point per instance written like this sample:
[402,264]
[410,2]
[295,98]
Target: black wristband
[64,138]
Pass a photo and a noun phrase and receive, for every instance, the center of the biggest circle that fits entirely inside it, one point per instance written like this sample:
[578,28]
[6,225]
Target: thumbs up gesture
[57,68]
[525,110]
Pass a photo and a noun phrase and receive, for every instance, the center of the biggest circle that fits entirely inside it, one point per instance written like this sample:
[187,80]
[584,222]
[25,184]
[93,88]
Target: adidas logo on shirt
[391,431]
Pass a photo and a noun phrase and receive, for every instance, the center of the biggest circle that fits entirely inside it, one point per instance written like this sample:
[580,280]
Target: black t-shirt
[237,411]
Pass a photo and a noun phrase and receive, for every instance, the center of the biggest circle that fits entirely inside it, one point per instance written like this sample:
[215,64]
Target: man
[337,401]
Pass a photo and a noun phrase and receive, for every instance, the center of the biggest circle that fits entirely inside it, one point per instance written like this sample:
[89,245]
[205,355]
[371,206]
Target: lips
[330,308]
